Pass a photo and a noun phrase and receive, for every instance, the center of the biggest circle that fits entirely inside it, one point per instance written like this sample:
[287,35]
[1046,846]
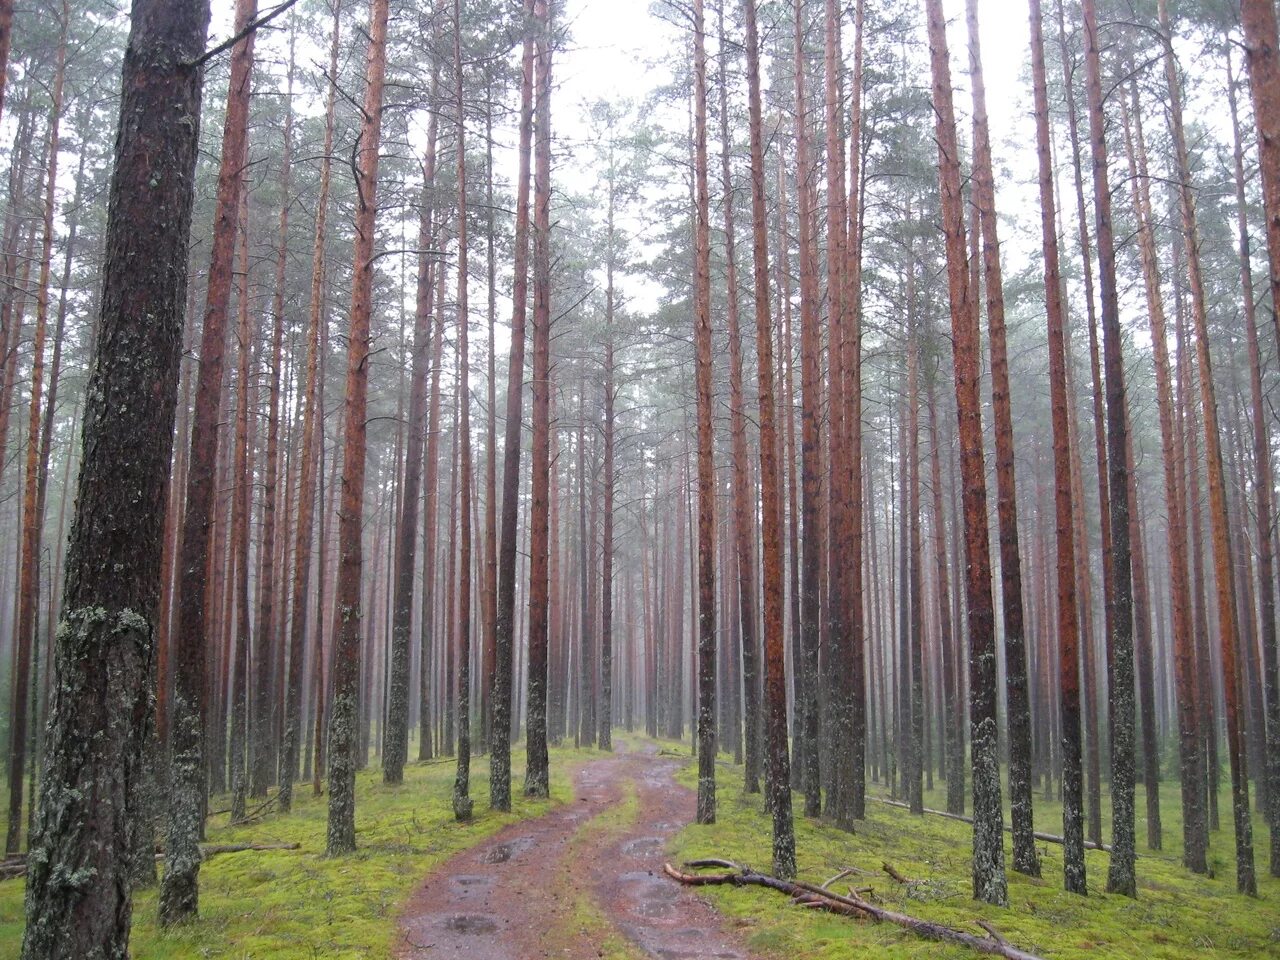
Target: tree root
[820,898]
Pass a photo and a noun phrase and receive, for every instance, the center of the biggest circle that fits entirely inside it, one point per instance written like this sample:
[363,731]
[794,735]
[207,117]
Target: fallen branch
[16,865]
[256,812]
[1046,837]
[815,897]
[213,849]
[889,868]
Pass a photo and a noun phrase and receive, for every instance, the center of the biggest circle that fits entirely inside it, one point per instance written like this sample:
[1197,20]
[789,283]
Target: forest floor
[1176,914]
[298,904]
[580,876]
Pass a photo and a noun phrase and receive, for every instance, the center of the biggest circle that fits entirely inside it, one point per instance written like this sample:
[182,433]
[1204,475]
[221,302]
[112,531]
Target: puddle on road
[643,847]
[471,924]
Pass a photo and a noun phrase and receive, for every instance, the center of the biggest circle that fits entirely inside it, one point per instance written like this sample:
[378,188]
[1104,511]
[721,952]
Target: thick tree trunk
[100,707]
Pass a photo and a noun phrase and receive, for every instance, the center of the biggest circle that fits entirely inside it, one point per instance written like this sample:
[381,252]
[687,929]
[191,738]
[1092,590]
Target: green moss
[1177,914]
[273,905]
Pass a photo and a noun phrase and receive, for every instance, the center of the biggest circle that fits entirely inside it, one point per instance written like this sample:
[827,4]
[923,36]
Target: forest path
[583,881]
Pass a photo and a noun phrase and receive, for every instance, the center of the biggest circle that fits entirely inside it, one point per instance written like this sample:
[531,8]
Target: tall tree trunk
[179,891]
[1224,578]
[430,509]
[777,765]
[500,748]
[100,707]
[811,438]
[1265,508]
[1194,834]
[605,712]
[312,457]
[1015,654]
[537,775]
[852,549]
[396,745]
[241,508]
[266,638]
[743,496]
[347,641]
[1120,686]
[707,747]
[462,781]
[988,819]
[844,575]
[1085,593]
[953,744]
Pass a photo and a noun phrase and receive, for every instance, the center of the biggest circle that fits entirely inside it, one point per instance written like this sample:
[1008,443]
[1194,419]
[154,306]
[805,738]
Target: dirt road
[583,881]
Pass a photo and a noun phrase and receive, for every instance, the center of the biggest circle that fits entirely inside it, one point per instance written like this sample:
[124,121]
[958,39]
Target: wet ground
[520,894]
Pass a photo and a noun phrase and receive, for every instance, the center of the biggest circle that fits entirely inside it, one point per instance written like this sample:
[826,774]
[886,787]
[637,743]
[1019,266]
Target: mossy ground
[299,904]
[1177,914]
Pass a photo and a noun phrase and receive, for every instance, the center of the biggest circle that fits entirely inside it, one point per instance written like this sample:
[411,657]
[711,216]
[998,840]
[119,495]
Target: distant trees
[775,541]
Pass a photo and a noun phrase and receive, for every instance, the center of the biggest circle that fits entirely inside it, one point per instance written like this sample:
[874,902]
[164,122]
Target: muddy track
[562,885]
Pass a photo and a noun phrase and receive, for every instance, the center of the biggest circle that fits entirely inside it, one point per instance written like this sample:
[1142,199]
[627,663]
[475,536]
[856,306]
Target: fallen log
[1046,837]
[16,865]
[213,849]
[816,897]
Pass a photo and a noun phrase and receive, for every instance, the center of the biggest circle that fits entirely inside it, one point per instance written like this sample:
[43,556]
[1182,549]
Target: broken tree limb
[256,812]
[892,872]
[16,865]
[816,897]
[1045,837]
[213,849]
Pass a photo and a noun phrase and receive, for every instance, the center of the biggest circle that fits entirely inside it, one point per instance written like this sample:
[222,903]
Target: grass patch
[1176,915]
[270,905]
